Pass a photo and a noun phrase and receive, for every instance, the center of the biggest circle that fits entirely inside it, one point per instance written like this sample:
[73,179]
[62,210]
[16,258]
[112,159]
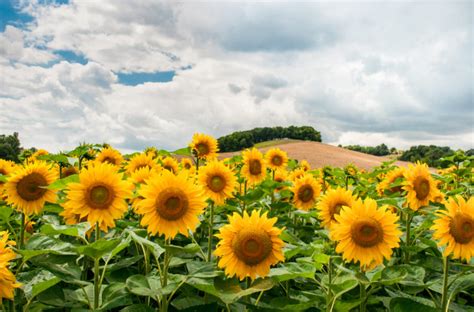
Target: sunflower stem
[22,231]
[444,297]
[96,271]
[164,281]
[329,294]
[363,298]
[211,226]
[407,239]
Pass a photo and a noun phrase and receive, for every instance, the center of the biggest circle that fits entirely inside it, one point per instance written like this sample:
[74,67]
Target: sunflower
[331,204]
[171,204]
[151,151]
[276,158]
[306,190]
[6,168]
[69,171]
[389,179]
[139,161]
[249,245]
[171,164]
[8,281]
[218,181]
[281,175]
[34,156]
[26,187]
[99,195]
[455,228]
[366,233]
[351,170]
[297,174]
[254,168]
[111,156]
[420,186]
[204,146]
[187,164]
[304,164]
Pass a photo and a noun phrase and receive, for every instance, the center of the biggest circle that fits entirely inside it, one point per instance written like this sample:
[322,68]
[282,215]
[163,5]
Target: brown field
[320,154]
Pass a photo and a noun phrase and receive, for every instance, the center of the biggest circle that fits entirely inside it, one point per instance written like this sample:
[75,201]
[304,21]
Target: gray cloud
[364,73]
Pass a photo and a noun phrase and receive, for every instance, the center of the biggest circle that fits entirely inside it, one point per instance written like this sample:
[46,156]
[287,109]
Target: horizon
[155,72]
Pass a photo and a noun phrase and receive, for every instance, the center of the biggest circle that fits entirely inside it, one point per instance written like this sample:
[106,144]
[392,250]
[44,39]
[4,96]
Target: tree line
[379,150]
[244,139]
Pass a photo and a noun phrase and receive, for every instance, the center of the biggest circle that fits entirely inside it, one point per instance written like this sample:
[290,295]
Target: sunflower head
[304,164]
[306,191]
[454,228]
[276,159]
[26,188]
[8,281]
[170,164]
[187,164]
[280,176]
[35,155]
[366,233]
[171,204]
[139,161]
[389,179]
[420,186]
[204,146]
[331,204]
[110,156]
[99,196]
[249,245]
[255,167]
[296,174]
[218,181]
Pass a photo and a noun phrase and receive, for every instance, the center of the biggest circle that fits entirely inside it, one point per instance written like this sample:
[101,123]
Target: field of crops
[94,230]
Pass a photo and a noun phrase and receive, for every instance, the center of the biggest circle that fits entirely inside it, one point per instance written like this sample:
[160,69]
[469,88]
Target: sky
[152,73]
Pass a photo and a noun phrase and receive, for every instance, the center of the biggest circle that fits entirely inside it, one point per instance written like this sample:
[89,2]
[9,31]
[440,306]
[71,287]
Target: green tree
[10,147]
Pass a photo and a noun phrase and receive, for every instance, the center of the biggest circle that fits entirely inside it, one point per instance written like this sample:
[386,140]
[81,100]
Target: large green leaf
[156,249]
[76,230]
[98,249]
[37,282]
[407,304]
[62,183]
[289,271]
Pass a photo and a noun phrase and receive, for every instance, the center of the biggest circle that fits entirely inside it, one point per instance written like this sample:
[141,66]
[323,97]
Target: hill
[320,154]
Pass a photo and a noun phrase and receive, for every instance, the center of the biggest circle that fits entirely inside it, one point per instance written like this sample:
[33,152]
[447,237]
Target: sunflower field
[94,230]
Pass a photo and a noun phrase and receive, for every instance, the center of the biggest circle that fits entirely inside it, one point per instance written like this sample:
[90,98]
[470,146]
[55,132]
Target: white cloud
[394,73]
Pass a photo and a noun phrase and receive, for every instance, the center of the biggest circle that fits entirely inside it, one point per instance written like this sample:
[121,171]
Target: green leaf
[156,249]
[5,213]
[76,230]
[289,271]
[185,151]
[98,249]
[138,308]
[3,178]
[62,183]
[392,275]
[180,251]
[228,290]
[40,244]
[145,286]
[115,295]
[407,304]
[58,158]
[40,281]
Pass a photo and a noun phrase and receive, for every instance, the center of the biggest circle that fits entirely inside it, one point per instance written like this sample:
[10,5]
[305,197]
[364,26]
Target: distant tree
[428,154]
[244,139]
[10,147]
[470,152]
[379,150]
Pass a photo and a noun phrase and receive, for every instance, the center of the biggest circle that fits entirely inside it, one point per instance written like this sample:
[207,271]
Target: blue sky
[155,72]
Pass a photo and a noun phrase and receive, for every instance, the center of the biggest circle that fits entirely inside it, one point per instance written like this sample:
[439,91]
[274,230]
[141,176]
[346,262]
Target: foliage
[430,155]
[244,139]
[10,147]
[379,150]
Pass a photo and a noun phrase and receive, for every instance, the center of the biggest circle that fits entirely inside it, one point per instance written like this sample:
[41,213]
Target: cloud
[394,73]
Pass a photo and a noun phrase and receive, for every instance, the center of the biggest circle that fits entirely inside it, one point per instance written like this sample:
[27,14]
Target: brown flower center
[187,165]
[255,167]
[462,228]
[3,171]
[172,204]
[99,196]
[277,160]
[202,149]
[216,183]
[30,187]
[305,193]
[422,188]
[252,247]
[366,232]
